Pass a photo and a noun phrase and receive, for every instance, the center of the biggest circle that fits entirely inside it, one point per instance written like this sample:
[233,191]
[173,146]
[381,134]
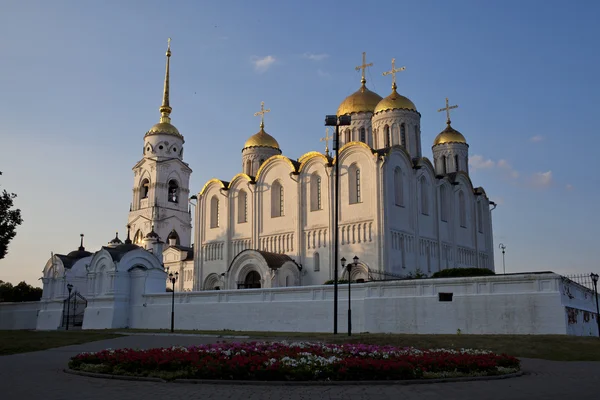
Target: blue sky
[82,82]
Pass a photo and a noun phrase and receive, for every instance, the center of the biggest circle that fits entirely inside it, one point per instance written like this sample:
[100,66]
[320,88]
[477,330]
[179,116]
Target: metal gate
[73,311]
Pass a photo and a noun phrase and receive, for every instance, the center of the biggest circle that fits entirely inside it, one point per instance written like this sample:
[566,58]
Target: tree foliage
[9,220]
[21,292]
[462,272]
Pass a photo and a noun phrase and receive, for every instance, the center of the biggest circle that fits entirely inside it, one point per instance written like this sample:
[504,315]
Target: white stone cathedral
[271,224]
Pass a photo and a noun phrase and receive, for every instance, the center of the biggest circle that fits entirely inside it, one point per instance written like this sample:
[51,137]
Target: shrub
[462,272]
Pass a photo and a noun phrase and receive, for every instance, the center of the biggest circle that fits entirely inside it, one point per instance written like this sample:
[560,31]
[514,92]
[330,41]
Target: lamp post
[595,281]
[69,288]
[334,120]
[503,248]
[173,278]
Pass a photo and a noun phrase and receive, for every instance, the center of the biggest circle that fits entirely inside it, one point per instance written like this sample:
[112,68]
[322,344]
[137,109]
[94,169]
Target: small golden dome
[449,135]
[163,128]
[395,101]
[262,139]
[363,100]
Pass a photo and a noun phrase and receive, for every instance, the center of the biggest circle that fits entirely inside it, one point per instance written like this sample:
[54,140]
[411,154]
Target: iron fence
[584,280]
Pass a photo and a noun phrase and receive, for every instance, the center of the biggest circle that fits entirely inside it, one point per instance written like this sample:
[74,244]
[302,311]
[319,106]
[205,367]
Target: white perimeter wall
[19,315]
[510,304]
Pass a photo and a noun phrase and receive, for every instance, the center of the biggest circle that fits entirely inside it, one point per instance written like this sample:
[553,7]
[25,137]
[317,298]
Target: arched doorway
[251,281]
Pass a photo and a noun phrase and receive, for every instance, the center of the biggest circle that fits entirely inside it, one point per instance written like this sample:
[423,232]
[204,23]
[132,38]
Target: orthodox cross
[364,66]
[262,113]
[169,44]
[393,72]
[447,109]
[326,140]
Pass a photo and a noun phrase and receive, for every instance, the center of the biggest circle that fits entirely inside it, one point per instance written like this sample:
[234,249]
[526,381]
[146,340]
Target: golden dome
[363,100]
[395,101]
[262,139]
[449,135]
[164,128]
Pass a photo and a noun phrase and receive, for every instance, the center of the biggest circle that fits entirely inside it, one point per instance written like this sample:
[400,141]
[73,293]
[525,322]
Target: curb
[297,383]
[182,334]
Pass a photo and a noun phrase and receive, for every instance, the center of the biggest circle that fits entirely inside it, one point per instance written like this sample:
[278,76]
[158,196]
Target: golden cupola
[262,138]
[363,100]
[395,101]
[449,135]
[164,126]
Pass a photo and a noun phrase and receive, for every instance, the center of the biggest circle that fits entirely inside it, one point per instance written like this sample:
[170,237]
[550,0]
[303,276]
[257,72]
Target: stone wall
[19,315]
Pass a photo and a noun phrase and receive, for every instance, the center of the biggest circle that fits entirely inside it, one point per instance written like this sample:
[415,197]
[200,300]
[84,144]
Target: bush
[462,272]
[340,281]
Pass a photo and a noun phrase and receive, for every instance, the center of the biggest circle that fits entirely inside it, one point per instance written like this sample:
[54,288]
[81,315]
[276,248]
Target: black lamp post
[595,281]
[69,288]
[334,120]
[173,278]
[503,248]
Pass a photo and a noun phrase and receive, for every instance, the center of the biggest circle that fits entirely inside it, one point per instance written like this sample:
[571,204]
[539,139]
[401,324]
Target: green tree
[9,220]
[19,293]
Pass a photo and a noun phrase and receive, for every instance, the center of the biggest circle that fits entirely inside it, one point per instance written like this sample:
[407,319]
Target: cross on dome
[262,113]
[326,140]
[447,109]
[363,67]
[393,72]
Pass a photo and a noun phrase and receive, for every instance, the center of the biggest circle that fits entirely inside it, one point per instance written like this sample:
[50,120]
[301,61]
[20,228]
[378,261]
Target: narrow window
[347,136]
[281,200]
[358,193]
[443,204]
[363,137]
[424,199]
[214,212]
[480,216]
[315,192]
[249,167]
[242,207]
[443,165]
[398,187]
[145,188]
[456,166]
[462,212]
[386,134]
[319,205]
[354,189]
[173,191]
[139,236]
[403,135]
[276,199]
[317,262]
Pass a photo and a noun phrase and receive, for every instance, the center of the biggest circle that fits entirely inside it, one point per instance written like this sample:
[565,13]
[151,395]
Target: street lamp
[173,278]
[69,288]
[595,281]
[355,263]
[334,120]
[503,248]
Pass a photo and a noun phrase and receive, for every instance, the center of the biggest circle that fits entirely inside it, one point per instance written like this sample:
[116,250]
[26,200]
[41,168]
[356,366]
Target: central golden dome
[262,139]
[449,135]
[395,101]
[363,100]
[164,128]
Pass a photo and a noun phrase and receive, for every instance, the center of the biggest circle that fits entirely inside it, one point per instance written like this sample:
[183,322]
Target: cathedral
[271,224]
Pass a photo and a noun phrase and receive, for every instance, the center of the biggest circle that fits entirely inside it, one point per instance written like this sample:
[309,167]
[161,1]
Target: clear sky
[81,82]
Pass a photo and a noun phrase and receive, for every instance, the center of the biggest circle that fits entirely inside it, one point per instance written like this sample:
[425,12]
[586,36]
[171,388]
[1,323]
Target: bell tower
[161,182]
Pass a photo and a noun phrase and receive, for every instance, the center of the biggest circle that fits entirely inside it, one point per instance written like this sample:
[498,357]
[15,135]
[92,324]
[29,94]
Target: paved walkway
[39,375]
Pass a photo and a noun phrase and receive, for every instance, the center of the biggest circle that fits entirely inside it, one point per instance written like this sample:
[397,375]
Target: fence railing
[581,279]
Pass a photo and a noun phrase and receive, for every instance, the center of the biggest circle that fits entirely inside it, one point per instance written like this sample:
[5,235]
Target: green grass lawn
[549,347]
[12,342]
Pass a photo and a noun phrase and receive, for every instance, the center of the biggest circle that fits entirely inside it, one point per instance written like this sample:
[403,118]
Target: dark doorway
[252,281]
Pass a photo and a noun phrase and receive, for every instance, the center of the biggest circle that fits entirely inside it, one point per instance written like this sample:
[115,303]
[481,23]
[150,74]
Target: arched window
[480,216]
[443,203]
[214,212]
[262,160]
[398,187]
[462,209]
[424,196]
[242,207]
[386,135]
[316,262]
[277,199]
[354,184]
[248,167]
[315,192]
[139,237]
[456,165]
[348,140]
[145,188]
[363,136]
[403,135]
[173,191]
[443,165]
[375,139]
[251,281]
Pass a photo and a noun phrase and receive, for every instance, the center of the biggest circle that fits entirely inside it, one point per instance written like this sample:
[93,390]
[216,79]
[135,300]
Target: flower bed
[298,361]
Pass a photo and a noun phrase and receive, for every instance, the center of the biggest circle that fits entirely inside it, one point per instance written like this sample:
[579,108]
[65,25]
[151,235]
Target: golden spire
[326,140]
[364,66]
[447,109]
[262,113]
[393,73]
[165,109]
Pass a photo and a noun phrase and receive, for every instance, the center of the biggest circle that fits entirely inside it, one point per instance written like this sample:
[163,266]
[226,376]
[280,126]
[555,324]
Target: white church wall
[580,309]
[523,304]
[50,314]
[241,217]
[19,315]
